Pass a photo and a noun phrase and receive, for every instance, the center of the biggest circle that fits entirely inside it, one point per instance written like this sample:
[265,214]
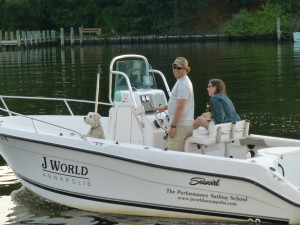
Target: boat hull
[119,178]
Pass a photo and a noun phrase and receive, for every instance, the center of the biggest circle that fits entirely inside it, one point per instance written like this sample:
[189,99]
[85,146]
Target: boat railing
[128,84]
[2,97]
[11,113]
[33,120]
[163,78]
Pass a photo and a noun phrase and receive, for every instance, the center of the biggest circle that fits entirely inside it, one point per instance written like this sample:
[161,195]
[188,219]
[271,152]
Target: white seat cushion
[218,133]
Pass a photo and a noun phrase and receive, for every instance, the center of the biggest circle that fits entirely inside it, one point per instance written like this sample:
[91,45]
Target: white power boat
[222,174]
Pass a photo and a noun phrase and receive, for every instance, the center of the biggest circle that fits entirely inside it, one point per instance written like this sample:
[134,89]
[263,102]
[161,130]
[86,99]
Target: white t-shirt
[183,89]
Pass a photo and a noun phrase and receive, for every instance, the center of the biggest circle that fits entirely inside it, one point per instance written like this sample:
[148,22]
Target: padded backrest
[222,132]
[218,133]
[225,132]
[240,129]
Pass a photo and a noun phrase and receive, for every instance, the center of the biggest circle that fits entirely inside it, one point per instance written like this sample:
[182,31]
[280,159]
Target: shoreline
[181,38]
[143,39]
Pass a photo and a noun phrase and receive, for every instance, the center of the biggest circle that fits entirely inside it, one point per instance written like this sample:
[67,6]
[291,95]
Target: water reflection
[8,181]
[283,124]
[6,206]
[24,207]
[297,56]
[28,208]
[279,62]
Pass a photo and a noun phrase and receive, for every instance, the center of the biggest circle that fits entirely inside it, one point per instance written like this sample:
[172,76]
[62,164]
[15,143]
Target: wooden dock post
[18,36]
[278,29]
[0,39]
[24,38]
[29,37]
[44,37]
[5,35]
[62,37]
[37,35]
[80,35]
[72,36]
[34,37]
[47,36]
[53,36]
[12,35]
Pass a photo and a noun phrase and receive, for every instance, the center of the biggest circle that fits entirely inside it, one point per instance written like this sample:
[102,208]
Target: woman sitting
[223,110]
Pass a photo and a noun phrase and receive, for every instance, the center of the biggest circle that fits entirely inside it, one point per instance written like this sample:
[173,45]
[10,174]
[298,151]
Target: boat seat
[219,133]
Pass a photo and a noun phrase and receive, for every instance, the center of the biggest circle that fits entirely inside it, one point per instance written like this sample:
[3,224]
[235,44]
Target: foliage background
[142,17]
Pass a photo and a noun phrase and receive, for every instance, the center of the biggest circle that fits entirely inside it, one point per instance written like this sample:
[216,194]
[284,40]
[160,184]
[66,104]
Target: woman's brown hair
[220,85]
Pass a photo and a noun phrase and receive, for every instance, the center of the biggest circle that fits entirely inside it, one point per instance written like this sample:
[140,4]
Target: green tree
[263,21]
[123,17]
[148,17]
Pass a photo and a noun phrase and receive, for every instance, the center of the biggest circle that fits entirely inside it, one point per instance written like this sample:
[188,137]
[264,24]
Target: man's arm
[161,109]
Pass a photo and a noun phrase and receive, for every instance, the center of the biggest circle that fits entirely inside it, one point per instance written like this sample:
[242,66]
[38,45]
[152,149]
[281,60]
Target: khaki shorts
[181,133]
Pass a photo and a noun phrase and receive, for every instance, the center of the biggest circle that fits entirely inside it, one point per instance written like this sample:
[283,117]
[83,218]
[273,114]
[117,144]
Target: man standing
[180,106]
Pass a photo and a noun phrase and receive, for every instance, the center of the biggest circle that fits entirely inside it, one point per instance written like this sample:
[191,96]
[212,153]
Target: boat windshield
[138,75]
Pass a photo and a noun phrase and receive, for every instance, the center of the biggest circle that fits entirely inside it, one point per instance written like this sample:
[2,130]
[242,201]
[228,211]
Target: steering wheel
[161,120]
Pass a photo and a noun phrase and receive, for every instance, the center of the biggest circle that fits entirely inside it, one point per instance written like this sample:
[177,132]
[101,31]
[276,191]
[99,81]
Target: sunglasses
[177,68]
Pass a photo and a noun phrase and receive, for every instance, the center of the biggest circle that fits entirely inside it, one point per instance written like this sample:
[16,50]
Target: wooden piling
[81,35]
[35,38]
[71,36]
[18,36]
[0,39]
[27,40]
[53,35]
[23,37]
[39,34]
[48,36]
[278,29]
[62,38]
[29,37]
[11,35]
[36,34]
[44,37]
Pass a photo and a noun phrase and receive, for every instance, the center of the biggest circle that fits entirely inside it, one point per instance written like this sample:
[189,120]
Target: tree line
[142,17]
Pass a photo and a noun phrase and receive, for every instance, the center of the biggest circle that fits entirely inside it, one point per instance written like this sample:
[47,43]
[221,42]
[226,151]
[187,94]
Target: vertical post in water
[278,29]
[29,35]
[53,35]
[62,37]
[5,35]
[23,37]
[18,36]
[72,36]
[80,35]
[0,39]
[36,38]
[47,38]
[12,36]
[44,36]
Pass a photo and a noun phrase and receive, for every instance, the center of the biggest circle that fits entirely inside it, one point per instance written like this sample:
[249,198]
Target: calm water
[262,78]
